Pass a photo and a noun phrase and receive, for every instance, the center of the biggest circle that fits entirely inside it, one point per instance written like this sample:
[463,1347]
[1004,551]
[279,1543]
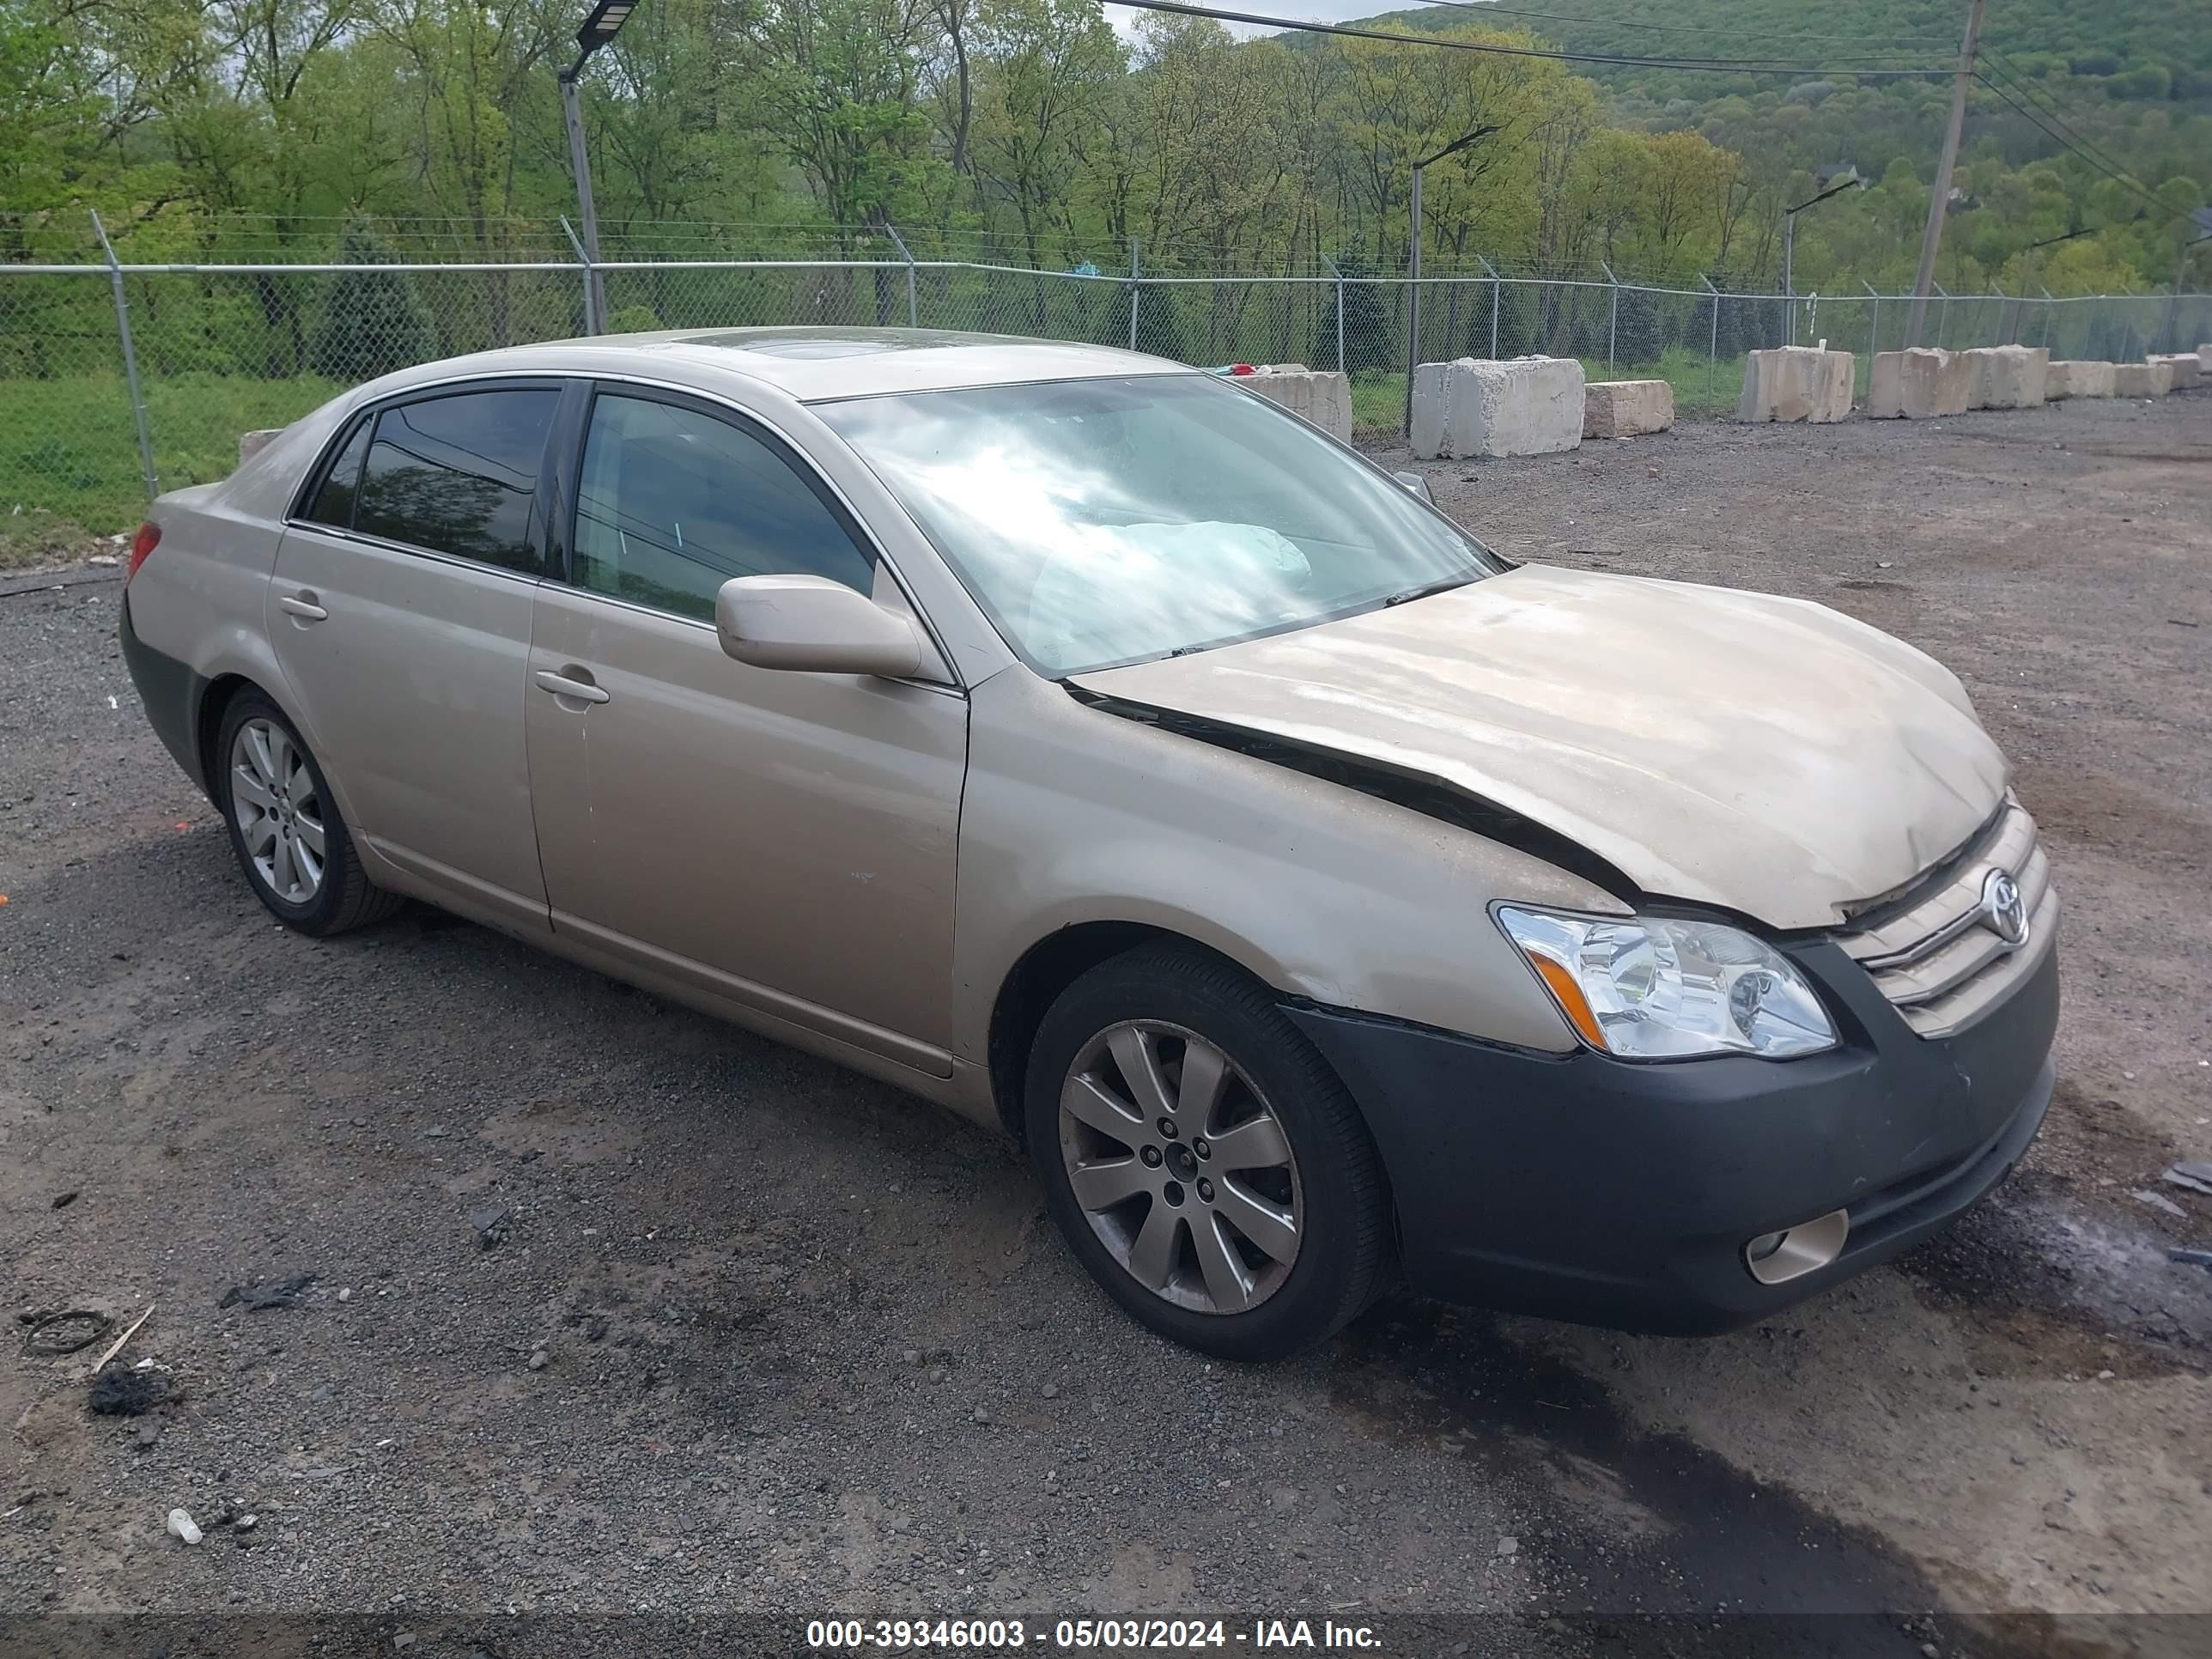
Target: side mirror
[812,625]
[1418,483]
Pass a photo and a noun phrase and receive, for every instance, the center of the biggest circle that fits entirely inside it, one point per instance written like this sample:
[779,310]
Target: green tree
[1369,342]
[373,321]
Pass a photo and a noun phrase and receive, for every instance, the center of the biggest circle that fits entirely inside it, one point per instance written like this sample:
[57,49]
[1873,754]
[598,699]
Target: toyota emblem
[2004,909]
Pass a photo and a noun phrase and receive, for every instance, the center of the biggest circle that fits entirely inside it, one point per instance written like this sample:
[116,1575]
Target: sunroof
[809,348]
[813,342]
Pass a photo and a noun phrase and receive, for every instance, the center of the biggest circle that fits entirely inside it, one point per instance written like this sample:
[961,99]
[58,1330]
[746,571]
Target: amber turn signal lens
[1573,1003]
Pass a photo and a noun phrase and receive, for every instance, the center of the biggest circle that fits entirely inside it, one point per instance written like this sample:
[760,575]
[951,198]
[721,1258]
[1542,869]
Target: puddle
[2083,1291]
[1643,1525]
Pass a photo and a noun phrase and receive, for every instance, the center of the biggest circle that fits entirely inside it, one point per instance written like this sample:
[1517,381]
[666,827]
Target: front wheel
[285,828]
[1202,1160]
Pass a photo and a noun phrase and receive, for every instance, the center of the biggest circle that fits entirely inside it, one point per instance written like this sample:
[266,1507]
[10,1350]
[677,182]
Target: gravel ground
[616,1310]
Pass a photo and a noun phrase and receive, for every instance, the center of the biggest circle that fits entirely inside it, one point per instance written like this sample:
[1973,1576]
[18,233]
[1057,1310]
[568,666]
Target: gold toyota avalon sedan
[1087,744]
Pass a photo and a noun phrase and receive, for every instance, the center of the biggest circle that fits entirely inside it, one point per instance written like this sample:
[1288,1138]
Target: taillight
[147,539]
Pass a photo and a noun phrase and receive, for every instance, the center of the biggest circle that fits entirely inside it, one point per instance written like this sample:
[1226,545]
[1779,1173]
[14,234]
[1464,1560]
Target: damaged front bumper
[1584,1188]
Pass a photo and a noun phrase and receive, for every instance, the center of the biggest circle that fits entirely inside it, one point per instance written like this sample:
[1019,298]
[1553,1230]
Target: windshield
[1102,522]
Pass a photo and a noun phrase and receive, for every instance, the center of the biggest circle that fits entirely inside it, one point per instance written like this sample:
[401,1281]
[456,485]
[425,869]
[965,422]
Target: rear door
[401,610]
[786,841]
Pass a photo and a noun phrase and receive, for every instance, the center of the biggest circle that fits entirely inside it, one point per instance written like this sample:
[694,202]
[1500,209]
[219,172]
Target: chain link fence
[96,351]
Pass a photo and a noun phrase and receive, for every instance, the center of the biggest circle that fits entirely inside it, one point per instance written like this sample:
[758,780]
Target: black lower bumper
[1579,1186]
[172,694]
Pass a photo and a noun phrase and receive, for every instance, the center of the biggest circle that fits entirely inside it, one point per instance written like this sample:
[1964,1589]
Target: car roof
[816,364]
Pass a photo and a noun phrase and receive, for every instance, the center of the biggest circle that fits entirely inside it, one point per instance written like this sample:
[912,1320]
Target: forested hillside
[2129,82]
[1032,129]
[2100,40]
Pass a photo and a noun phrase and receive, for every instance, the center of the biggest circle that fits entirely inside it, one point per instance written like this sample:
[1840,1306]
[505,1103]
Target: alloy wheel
[1181,1167]
[279,810]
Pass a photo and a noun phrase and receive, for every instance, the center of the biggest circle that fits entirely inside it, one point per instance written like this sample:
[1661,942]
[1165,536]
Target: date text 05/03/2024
[1107,1635]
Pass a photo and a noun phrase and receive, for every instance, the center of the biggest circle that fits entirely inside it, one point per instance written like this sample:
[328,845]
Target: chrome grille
[1937,960]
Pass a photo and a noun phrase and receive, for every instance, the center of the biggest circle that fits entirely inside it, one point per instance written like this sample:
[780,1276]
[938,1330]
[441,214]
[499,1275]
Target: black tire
[346,899]
[1345,1227]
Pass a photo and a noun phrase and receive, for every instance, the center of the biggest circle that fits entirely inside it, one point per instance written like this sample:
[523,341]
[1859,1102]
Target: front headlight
[1650,987]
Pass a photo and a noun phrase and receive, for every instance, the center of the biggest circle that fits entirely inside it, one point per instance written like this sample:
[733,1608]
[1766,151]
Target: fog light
[1777,1258]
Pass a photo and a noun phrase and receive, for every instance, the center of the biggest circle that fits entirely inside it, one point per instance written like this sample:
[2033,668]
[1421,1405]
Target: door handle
[301,605]
[562,686]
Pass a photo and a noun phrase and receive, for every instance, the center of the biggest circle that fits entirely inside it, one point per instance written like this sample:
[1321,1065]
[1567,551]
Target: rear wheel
[1201,1159]
[285,828]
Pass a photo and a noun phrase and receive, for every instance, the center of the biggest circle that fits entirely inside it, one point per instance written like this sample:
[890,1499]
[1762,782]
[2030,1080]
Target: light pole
[1413,265]
[2034,273]
[1850,180]
[604,23]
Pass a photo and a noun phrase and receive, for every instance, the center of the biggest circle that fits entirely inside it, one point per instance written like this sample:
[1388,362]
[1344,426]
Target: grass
[69,452]
[68,456]
[36,537]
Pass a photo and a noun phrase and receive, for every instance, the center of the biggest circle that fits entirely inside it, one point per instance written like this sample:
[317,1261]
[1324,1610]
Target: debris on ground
[2191,1258]
[120,1342]
[2193,1174]
[119,1393]
[63,1201]
[2157,1201]
[258,1296]
[52,1335]
[491,1224]
[182,1526]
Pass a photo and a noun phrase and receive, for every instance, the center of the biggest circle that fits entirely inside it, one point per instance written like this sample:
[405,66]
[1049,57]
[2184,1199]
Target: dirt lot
[808,1346]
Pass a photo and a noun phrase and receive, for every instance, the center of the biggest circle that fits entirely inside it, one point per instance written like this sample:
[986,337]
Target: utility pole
[1942,204]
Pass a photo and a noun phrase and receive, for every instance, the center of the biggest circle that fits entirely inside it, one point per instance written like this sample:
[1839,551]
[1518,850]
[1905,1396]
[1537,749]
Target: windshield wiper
[1442,585]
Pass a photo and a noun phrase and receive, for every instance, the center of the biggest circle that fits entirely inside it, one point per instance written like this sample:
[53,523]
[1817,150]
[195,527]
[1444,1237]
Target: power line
[1737,66]
[2034,119]
[2010,72]
[1722,65]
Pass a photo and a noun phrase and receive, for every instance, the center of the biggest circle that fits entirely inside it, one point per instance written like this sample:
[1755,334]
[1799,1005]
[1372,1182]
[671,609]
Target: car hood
[1767,755]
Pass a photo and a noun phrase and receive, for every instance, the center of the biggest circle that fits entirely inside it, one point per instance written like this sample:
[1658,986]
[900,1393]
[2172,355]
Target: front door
[401,610]
[783,840]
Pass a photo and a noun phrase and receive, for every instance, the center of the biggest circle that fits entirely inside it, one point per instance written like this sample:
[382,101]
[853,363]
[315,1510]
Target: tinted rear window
[458,474]
[333,502]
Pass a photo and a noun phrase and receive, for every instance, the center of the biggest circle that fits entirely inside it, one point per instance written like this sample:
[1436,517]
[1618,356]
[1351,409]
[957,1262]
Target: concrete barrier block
[1321,396]
[2006,376]
[1916,383]
[2204,359]
[2141,379]
[2188,369]
[1797,383]
[1626,408]
[1477,406]
[2077,377]
[251,444]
